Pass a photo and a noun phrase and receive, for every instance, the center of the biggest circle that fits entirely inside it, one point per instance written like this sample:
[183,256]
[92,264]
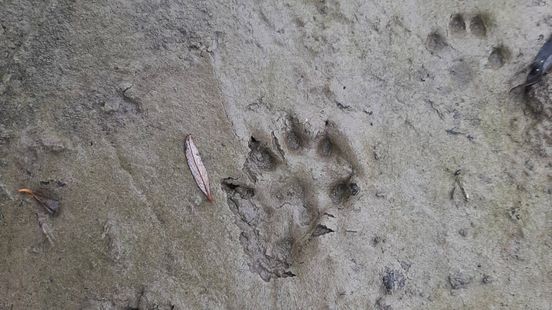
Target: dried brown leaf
[50,205]
[197,168]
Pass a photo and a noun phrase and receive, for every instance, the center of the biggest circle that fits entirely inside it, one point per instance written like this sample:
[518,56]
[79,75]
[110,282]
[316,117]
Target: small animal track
[458,28]
[498,57]
[478,26]
[298,180]
[457,25]
[435,42]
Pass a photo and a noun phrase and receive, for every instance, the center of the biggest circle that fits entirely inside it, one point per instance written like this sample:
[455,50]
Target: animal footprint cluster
[477,25]
[297,180]
[464,26]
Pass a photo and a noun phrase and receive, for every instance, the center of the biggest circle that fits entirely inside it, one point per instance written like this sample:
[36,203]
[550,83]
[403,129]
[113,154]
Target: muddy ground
[362,155]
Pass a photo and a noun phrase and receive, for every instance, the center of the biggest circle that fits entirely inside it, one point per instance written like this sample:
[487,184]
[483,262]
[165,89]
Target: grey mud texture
[362,154]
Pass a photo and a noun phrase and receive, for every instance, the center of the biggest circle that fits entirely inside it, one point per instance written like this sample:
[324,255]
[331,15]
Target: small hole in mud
[477,26]
[435,42]
[498,57]
[457,24]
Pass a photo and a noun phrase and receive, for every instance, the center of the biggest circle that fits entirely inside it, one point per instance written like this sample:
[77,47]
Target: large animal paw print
[296,179]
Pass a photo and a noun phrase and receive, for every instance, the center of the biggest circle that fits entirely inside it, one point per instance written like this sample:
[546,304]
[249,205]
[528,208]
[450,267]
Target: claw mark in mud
[291,185]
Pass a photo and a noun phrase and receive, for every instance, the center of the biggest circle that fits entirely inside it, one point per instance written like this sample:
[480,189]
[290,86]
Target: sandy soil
[362,155]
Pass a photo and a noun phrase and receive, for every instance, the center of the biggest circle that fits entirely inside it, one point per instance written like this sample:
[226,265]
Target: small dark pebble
[393,280]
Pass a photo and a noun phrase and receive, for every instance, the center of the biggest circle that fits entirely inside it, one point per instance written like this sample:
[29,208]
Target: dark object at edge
[540,66]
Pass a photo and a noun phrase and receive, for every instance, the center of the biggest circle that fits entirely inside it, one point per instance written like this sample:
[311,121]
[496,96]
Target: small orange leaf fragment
[51,205]
[26,191]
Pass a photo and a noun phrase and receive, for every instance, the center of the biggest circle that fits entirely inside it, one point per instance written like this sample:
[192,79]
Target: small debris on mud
[393,280]
[354,189]
[42,223]
[50,205]
[342,106]
[197,168]
[515,213]
[487,279]
[459,280]
[458,182]
[377,240]
[540,66]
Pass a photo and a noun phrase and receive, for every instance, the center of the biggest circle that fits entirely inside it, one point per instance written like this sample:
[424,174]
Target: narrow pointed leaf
[197,168]
[51,205]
